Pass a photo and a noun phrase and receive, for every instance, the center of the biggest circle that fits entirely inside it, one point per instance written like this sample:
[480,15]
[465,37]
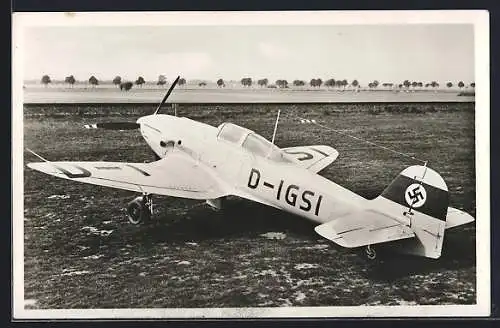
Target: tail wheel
[370,252]
[138,211]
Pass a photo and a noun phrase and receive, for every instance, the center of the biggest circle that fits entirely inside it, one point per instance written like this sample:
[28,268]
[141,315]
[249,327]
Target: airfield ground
[80,251]
[111,94]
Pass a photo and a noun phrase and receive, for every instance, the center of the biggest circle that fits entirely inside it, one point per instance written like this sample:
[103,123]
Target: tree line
[343,83]
[118,81]
[280,83]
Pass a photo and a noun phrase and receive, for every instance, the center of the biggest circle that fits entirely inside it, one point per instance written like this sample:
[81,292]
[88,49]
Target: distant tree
[345,83]
[263,82]
[93,81]
[406,84]
[414,84]
[427,85]
[449,84]
[140,81]
[282,83]
[420,84]
[182,81]
[299,83]
[461,84]
[246,82]
[316,82]
[374,84]
[117,80]
[220,83]
[400,86]
[338,83]
[473,84]
[162,80]
[202,84]
[45,80]
[70,80]
[434,84]
[355,83]
[330,83]
[126,86]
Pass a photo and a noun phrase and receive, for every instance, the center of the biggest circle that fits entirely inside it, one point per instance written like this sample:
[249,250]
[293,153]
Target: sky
[388,53]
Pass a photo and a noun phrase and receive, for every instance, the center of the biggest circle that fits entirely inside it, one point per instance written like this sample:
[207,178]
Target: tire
[137,211]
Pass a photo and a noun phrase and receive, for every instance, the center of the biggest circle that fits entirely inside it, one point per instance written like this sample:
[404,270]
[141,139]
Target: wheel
[371,254]
[138,211]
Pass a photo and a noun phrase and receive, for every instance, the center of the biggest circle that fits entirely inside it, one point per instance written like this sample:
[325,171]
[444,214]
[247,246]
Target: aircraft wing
[361,228]
[314,158]
[176,175]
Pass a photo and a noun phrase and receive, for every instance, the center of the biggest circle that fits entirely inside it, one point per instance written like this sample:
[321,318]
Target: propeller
[130,125]
[114,126]
[168,94]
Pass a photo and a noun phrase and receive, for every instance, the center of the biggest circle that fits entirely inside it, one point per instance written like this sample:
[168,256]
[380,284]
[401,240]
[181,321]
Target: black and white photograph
[250,164]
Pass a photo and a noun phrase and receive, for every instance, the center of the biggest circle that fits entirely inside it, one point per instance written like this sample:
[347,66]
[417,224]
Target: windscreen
[232,133]
[261,147]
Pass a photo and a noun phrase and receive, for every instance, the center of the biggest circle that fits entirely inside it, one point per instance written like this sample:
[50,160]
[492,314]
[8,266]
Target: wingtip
[34,165]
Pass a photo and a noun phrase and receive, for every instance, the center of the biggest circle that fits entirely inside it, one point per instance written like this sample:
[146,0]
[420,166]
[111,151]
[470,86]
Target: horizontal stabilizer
[456,218]
[314,158]
[363,228]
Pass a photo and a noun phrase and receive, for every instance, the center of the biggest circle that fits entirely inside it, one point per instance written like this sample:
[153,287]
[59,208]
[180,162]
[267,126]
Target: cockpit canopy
[252,142]
[232,132]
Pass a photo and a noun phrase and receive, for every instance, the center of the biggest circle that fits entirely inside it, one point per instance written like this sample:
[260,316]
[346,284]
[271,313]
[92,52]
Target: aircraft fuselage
[286,186]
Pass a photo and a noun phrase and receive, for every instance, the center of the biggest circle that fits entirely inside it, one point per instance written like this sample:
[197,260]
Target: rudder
[418,197]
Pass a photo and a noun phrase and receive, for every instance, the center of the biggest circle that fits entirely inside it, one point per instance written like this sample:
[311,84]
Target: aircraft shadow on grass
[460,253]
[238,218]
[242,218]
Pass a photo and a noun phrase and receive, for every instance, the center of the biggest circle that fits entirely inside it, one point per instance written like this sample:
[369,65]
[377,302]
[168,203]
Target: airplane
[199,161]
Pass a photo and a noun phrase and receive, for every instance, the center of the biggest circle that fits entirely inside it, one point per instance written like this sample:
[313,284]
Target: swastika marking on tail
[415,195]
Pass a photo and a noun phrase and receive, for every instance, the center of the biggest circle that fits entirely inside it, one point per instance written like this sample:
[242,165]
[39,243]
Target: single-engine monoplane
[199,161]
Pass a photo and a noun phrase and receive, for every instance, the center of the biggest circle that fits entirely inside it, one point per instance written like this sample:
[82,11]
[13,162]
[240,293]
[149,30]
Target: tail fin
[419,198]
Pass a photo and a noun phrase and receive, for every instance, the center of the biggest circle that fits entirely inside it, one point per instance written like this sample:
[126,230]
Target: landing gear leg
[216,204]
[371,254]
[148,201]
[140,209]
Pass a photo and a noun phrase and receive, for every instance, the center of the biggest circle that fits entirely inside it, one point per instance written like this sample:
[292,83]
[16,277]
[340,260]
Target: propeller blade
[168,94]
[114,126]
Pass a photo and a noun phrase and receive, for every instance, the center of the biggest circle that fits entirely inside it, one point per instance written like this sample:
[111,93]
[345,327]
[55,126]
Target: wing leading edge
[176,175]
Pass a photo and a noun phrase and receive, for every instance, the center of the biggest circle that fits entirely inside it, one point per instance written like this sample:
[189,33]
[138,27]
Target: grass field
[80,251]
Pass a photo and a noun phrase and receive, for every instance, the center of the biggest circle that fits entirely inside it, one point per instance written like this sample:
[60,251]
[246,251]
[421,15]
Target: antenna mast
[275,127]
